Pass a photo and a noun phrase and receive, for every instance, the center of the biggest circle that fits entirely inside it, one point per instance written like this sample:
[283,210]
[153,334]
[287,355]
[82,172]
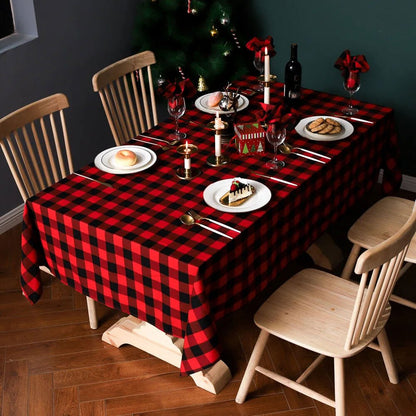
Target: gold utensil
[198,217]
[189,220]
[291,148]
[166,147]
[277,179]
[286,150]
[361,120]
[94,180]
[170,142]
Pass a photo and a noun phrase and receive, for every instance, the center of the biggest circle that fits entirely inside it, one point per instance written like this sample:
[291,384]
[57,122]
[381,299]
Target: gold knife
[94,180]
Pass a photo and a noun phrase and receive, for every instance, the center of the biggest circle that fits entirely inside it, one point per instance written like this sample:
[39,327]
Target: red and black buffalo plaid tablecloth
[126,247]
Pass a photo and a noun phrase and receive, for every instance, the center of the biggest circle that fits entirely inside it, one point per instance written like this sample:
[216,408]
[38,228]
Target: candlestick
[187,172]
[218,125]
[217,159]
[266,95]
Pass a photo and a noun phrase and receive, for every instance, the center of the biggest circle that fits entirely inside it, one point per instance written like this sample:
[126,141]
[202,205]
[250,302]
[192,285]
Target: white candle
[266,65]
[218,145]
[217,126]
[266,95]
[187,162]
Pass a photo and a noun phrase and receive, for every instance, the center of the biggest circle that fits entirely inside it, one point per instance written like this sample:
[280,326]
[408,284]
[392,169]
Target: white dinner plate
[216,190]
[145,159]
[201,103]
[347,130]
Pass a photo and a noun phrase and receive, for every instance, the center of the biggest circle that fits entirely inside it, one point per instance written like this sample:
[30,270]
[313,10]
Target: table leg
[142,335]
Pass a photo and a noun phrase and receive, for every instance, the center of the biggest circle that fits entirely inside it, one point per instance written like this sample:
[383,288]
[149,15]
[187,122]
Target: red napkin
[272,114]
[347,63]
[258,45]
[184,88]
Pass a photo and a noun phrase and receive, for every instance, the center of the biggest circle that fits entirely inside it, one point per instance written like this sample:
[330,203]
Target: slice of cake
[239,192]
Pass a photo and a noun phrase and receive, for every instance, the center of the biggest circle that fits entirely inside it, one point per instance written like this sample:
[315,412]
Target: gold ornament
[194,11]
[214,32]
[202,85]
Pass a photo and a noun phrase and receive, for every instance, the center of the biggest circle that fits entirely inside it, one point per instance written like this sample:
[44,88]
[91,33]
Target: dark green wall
[384,31]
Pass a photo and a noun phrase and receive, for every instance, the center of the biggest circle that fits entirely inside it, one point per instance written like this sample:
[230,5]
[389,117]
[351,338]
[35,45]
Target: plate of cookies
[125,159]
[324,128]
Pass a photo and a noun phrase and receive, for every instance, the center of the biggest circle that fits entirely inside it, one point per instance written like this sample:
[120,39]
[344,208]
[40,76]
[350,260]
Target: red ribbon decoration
[184,88]
[258,45]
[347,63]
[272,114]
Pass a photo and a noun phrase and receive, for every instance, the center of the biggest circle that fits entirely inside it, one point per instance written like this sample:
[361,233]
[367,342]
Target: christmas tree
[196,38]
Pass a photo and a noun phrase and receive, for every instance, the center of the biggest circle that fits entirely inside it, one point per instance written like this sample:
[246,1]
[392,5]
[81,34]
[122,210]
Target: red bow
[184,88]
[272,114]
[258,45]
[347,63]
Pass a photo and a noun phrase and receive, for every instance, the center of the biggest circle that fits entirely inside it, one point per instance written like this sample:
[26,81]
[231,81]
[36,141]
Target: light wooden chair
[379,222]
[35,144]
[333,317]
[126,89]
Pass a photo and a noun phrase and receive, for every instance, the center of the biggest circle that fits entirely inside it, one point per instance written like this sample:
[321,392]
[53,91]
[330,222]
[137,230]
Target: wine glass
[275,136]
[351,85]
[176,108]
[259,65]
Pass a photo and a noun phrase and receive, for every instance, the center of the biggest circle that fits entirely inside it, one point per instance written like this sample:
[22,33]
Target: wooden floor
[52,363]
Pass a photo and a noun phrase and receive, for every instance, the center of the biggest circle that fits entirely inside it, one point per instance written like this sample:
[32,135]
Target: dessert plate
[105,160]
[347,130]
[201,103]
[214,192]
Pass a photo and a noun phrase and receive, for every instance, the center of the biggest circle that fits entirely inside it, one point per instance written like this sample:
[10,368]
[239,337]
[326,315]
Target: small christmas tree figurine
[201,37]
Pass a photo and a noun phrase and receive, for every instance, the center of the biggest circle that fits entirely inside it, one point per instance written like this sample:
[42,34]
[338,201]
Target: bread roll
[215,98]
[124,158]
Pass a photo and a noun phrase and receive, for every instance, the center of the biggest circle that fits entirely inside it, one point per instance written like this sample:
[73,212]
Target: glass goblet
[176,109]
[351,85]
[275,136]
[259,65]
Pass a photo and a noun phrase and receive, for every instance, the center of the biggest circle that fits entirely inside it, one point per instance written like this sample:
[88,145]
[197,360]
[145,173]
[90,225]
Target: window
[17,23]
[6,18]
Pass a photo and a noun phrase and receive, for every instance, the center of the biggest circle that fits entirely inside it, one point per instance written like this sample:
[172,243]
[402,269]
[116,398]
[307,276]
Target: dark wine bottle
[293,78]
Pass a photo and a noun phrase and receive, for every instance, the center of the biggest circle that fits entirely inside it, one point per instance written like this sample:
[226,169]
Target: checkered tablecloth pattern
[126,247]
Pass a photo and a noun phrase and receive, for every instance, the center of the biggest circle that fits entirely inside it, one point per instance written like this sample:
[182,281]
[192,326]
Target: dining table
[125,246]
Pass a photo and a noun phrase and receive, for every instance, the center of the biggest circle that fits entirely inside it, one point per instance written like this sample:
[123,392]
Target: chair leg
[387,355]
[339,387]
[92,313]
[251,366]
[350,263]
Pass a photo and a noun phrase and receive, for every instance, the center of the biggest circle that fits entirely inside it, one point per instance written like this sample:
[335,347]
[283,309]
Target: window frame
[24,24]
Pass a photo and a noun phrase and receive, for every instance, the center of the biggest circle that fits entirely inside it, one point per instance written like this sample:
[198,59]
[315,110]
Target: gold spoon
[291,148]
[286,150]
[189,220]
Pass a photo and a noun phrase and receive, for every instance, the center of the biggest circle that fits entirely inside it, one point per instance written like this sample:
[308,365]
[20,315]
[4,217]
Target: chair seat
[380,222]
[313,310]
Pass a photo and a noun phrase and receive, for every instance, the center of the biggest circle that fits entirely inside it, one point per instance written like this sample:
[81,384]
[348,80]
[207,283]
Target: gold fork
[198,217]
[165,147]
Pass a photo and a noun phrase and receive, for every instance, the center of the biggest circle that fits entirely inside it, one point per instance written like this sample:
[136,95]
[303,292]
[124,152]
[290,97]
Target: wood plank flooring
[52,363]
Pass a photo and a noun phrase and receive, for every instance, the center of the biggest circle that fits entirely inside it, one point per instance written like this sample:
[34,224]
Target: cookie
[316,123]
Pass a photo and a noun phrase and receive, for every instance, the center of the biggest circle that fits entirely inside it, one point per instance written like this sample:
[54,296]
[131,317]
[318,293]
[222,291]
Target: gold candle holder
[187,172]
[214,160]
[268,84]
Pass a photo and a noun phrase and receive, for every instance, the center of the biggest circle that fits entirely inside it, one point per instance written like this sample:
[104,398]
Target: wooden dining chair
[127,95]
[35,144]
[379,222]
[333,317]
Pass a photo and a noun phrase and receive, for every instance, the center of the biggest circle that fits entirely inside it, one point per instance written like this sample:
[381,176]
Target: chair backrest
[35,143]
[379,268]
[125,88]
